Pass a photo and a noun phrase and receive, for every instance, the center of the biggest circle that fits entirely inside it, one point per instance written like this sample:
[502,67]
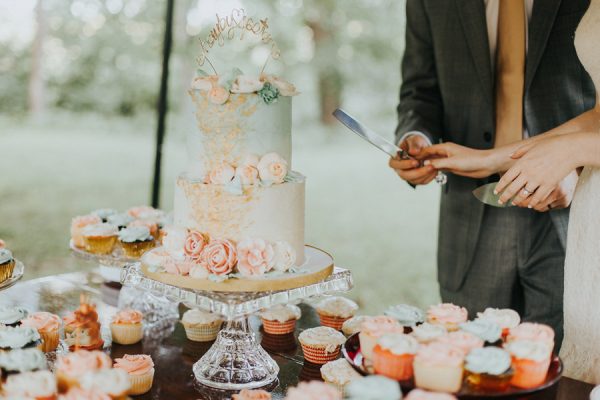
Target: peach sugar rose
[218,257]
[194,244]
[222,174]
[255,257]
[218,95]
[272,168]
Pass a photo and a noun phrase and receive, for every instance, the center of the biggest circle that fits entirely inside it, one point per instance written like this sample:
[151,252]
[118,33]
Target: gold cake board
[317,267]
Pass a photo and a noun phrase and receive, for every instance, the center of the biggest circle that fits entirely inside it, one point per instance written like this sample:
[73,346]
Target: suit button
[487,136]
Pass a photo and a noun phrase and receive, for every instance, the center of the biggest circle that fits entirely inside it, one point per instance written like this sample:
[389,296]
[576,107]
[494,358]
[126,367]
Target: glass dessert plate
[115,259]
[17,274]
[236,360]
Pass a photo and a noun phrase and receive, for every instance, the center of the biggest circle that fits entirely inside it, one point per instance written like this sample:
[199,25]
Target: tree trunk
[36,78]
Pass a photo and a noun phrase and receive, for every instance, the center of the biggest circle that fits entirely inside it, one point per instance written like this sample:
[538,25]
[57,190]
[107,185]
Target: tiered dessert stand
[17,274]
[236,360]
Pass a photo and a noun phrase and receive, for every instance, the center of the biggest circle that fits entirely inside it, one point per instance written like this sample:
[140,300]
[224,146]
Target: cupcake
[104,213]
[427,333]
[39,385]
[339,373]
[136,240]
[506,318]
[99,238]
[151,225]
[22,360]
[77,393]
[531,331]
[280,319]
[352,326]
[530,361]
[146,212]
[120,220]
[12,316]
[489,369]
[48,326]
[7,264]
[255,394]
[72,366]
[408,316]
[18,337]
[201,326]
[419,394]
[334,311]
[114,382]
[82,329]
[126,327]
[439,367]
[485,329]
[321,344]
[141,372]
[372,329]
[464,341]
[313,390]
[393,356]
[373,387]
[447,315]
[77,226]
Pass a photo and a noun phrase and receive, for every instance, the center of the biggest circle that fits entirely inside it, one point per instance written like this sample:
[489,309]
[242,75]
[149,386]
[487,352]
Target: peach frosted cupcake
[313,390]
[39,385]
[280,319]
[72,366]
[419,394]
[126,327]
[48,326]
[373,387]
[201,326]
[393,356]
[77,393]
[141,372]
[77,225]
[439,367]
[373,328]
[427,333]
[255,394]
[448,315]
[7,264]
[136,240]
[353,325]
[339,373]
[321,344]
[112,381]
[531,331]
[100,238]
[464,341]
[506,318]
[334,311]
[530,361]
[489,369]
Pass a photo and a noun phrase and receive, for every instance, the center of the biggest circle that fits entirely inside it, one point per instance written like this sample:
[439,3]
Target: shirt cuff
[417,133]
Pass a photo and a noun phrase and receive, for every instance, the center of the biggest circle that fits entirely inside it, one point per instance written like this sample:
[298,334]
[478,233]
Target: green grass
[356,207]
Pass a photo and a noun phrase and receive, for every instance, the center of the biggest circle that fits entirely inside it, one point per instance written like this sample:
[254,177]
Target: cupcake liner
[6,270]
[367,343]
[137,249]
[279,328]
[126,333]
[529,373]
[50,341]
[394,366]
[332,322]
[318,355]
[141,384]
[438,378]
[202,333]
[100,244]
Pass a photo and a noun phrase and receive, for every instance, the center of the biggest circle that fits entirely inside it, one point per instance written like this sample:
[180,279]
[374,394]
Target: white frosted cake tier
[272,213]
[244,125]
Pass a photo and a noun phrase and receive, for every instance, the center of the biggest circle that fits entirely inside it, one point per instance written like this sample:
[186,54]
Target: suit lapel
[542,20]
[473,20]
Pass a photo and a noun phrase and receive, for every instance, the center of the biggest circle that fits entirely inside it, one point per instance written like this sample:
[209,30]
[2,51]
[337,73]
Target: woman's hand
[461,160]
[538,171]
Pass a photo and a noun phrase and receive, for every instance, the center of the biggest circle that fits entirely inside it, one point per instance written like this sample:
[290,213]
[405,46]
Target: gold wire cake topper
[237,24]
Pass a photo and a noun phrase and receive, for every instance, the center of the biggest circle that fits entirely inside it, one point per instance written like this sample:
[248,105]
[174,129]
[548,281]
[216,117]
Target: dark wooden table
[174,355]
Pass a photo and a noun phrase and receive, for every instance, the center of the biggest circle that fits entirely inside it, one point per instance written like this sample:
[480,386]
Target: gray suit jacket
[448,93]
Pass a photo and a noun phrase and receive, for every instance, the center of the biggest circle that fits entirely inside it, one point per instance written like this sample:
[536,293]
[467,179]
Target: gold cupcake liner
[50,341]
[100,244]
[127,333]
[137,249]
[202,333]
[141,384]
[6,270]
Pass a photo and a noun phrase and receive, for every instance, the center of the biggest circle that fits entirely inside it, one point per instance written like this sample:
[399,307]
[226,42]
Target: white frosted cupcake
[489,369]
[112,381]
[31,385]
[353,325]
[280,319]
[373,387]
[321,344]
[201,326]
[334,311]
[439,367]
[339,373]
[427,333]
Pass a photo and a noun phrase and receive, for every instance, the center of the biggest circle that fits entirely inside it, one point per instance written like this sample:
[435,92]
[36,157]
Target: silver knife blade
[368,135]
[486,195]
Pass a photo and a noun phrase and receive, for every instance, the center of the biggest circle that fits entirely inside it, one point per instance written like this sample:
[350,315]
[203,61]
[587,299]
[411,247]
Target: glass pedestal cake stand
[236,360]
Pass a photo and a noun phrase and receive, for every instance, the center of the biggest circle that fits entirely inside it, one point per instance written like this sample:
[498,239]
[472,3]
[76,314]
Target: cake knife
[377,140]
[486,195]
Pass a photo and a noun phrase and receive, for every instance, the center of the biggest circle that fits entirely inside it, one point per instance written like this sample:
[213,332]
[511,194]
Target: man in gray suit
[472,77]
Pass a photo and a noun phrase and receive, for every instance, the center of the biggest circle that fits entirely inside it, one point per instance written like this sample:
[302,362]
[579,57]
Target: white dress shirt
[492,8]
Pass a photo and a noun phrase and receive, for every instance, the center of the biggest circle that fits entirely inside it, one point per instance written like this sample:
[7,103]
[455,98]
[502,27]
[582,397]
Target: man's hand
[410,170]
[560,197]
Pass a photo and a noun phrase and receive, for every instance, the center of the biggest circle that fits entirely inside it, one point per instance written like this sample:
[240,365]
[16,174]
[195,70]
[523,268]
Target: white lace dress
[581,347]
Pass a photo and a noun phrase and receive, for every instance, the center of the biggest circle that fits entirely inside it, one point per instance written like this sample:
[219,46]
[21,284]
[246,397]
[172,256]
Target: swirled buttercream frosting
[282,313]
[135,234]
[79,362]
[313,390]
[398,343]
[322,336]
[528,350]
[23,360]
[120,219]
[84,394]
[199,317]
[42,321]
[100,230]
[488,360]
[353,325]
[428,332]
[337,307]
[447,313]
[104,213]
[112,381]
[256,394]
[374,387]
[339,372]
[406,314]
[12,315]
[17,337]
[127,316]
[377,326]
[139,364]
[440,354]
[532,331]
[485,329]
[463,340]
[26,385]
[5,256]
[504,317]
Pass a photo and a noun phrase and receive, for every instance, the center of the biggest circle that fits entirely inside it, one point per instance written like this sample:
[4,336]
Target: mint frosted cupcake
[136,240]
[18,337]
[487,330]
[489,369]
[12,316]
[7,264]
[408,316]
[22,360]
[373,387]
